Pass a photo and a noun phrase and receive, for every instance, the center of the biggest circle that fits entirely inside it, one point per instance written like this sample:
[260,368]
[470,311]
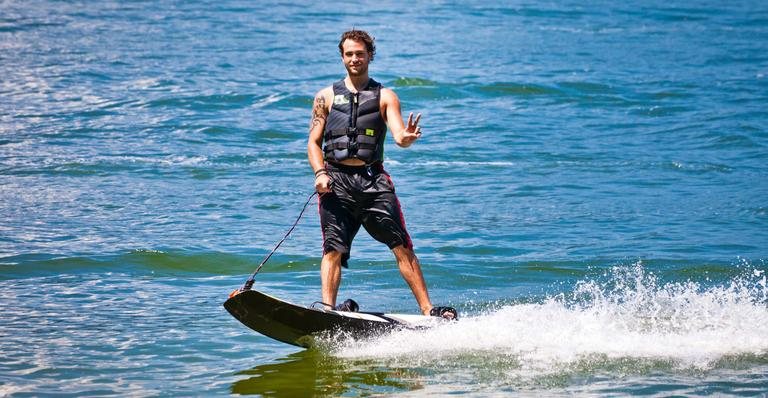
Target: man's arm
[404,134]
[315,142]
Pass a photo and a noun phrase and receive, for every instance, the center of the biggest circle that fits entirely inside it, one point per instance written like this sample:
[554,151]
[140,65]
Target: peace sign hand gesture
[412,130]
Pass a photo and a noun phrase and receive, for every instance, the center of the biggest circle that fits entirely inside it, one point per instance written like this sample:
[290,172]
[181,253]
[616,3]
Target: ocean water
[589,192]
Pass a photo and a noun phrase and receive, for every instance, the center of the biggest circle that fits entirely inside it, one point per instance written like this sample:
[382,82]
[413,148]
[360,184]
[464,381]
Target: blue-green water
[590,192]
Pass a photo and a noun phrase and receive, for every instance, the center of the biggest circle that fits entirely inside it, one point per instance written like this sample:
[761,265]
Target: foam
[629,318]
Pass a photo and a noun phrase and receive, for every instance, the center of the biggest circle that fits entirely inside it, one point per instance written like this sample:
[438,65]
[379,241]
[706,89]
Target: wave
[629,320]
[413,81]
[637,99]
[117,164]
[150,262]
[451,163]
[214,101]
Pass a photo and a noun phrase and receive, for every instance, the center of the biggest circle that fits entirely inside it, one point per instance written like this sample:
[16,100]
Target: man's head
[360,36]
[357,49]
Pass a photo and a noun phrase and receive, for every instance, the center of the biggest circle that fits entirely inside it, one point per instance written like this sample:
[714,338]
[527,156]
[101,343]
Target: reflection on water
[314,373]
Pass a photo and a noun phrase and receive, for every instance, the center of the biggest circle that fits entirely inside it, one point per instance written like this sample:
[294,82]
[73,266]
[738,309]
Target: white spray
[631,319]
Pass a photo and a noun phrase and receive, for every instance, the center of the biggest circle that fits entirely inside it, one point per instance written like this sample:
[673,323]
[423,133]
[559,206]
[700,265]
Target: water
[589,192]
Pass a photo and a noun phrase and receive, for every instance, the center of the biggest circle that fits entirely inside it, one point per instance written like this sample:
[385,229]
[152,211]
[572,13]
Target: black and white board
[297,325]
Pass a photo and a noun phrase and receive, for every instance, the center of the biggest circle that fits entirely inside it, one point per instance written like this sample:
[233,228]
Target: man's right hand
[323,183]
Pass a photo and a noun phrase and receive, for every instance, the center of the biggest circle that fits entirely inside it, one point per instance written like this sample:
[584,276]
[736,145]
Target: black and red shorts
[363,195]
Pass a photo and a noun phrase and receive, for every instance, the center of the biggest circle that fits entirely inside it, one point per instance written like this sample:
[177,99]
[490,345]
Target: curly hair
[361,36]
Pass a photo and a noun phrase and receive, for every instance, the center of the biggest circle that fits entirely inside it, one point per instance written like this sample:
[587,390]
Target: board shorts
[360,195]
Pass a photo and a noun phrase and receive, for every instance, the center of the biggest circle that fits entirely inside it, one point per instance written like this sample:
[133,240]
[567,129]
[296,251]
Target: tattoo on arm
[319,113]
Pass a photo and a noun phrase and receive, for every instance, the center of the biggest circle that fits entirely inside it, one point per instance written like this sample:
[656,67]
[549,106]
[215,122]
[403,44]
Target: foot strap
[448,313]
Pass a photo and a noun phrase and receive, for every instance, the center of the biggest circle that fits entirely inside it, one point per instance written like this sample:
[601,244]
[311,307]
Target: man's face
[355,57]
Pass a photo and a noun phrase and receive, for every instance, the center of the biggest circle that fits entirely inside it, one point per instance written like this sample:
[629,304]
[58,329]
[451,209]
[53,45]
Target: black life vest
[354,128]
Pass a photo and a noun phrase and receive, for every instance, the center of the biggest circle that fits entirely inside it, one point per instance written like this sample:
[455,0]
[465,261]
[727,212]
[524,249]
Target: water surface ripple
[589,192]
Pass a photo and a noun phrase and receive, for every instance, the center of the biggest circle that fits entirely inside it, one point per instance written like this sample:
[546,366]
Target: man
[346,150]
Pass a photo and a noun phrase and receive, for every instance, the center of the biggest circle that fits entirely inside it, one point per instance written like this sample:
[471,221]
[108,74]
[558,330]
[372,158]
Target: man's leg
[411,272]
[330,276]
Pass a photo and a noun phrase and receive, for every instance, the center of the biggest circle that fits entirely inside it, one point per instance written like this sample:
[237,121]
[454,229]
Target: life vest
[354,128]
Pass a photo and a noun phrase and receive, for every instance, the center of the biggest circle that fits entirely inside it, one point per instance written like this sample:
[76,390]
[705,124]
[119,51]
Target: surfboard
[299,325]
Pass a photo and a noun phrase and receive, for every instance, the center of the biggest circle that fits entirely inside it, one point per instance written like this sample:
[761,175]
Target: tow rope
[249,283]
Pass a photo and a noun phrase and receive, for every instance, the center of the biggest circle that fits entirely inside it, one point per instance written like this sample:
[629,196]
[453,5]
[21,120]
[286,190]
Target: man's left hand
[412,131]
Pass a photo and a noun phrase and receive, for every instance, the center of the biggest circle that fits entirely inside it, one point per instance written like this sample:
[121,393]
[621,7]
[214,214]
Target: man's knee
[403,252]
[332,257]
